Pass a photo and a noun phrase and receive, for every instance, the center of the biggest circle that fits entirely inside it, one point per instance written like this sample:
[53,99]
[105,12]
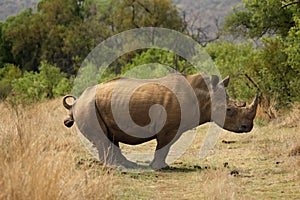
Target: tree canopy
[263,55]
[269,61]
[63,32]
[255,19]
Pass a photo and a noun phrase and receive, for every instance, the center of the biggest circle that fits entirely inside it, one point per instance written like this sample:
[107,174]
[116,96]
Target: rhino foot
[130,165]
[159,166]
[124,164]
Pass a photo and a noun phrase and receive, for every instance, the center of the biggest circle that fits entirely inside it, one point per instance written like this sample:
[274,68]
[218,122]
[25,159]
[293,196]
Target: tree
[128,14]
[255,19]
[238,61]
[275,67]
[142,13]
[5,54]
[8,73]
[22,40]
[63,32]
[157,59]
[63,35]
[32,37]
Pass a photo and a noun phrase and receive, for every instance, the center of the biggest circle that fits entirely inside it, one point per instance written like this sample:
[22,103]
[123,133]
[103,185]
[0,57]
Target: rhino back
[139,96]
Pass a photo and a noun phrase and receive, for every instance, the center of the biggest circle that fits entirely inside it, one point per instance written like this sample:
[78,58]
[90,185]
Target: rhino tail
[68,121]
[66,105]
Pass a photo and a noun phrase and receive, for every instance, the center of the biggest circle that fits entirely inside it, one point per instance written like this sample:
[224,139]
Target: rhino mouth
[244,128]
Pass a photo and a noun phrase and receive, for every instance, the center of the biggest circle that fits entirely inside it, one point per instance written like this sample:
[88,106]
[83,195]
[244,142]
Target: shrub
[49,82]
[7,74]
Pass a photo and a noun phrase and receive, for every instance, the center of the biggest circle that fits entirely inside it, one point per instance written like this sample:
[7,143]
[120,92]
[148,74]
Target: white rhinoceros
[134,111]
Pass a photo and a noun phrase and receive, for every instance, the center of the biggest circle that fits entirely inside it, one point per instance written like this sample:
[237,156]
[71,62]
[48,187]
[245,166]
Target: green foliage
[7,74]
[273,64]
[143,13]
[274,75]
[86,77]
[45,35]
[21,38]
[5,55]
[237,61]
[256,18]
[292,46]
[260,122]
[292,51]
[63,32]
[262,69]
[155,59]
[49,82]
[63,87]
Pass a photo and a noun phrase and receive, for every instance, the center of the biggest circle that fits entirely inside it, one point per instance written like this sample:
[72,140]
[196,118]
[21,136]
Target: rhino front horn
[254,104]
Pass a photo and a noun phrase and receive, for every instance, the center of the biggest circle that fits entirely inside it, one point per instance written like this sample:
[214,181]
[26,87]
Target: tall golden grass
[42,159]
[38,157]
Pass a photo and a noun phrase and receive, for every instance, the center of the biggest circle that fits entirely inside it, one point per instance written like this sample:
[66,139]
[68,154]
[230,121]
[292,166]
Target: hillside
[13,7]
[205,17]
[207,10]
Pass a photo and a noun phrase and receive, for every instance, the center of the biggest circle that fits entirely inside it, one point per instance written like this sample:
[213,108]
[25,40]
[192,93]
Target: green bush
[155,63]
[237,61]
[260,122]
[49,82]
[7,74]
[267,69]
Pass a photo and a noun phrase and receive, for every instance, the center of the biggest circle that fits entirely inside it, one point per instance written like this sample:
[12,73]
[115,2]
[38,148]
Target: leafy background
[255,42]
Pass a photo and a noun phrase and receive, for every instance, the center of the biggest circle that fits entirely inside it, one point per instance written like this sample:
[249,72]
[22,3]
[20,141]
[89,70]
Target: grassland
[41,159]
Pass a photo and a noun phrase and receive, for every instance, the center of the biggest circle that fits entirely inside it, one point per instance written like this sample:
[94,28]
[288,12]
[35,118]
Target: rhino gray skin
[95,119]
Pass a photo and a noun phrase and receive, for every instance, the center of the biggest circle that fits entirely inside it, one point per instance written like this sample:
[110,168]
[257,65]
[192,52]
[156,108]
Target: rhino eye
[228,109]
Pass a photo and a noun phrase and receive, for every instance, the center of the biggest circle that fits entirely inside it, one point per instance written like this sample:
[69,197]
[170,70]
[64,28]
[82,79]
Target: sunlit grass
[41,159]
[38,157]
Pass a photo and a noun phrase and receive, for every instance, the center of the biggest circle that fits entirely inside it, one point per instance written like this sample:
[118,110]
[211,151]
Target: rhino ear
[225,81]
[214,80]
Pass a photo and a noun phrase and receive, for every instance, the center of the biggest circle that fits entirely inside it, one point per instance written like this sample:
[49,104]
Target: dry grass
[290,119]
[41,159]
[38,157]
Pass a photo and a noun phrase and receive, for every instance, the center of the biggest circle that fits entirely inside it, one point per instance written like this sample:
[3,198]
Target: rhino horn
[253,105]
[225,81]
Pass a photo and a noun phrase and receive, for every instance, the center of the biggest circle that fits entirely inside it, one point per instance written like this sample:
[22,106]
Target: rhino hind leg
[110,153]
[159,161]
[164,143]
[118,160]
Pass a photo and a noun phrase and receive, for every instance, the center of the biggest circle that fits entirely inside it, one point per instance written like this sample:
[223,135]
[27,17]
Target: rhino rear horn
[66,105]
[225,81]
[254,104]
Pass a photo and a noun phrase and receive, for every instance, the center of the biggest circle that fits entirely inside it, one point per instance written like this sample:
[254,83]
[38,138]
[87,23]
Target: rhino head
[238,116]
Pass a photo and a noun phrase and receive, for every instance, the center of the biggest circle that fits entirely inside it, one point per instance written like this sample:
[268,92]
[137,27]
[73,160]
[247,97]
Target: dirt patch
[295,151]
